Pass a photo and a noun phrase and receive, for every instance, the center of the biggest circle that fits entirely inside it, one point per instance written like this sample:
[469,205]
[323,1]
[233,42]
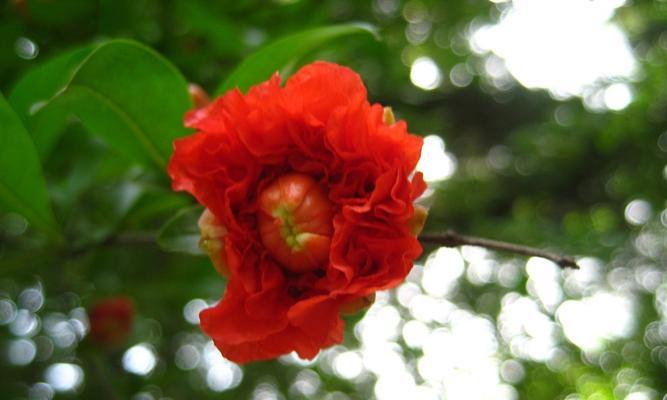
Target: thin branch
[132,239]
[121,239]
[453,239]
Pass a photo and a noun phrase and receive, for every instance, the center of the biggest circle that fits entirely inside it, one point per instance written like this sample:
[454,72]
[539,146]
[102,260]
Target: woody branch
[453,239]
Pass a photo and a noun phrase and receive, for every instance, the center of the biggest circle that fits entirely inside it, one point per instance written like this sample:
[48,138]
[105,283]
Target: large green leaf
[37,87]
[22,186]
[122,91]
[283,54]
[41,83]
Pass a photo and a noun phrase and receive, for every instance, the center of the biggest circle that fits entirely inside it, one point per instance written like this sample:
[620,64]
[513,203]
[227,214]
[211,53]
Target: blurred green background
[545,124]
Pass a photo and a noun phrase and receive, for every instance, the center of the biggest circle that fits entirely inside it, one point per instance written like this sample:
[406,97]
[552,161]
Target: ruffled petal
[322,125]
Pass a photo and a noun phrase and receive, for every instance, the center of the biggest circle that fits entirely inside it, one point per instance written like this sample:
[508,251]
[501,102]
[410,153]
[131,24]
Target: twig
[122,239]
[132,239]
[453,239]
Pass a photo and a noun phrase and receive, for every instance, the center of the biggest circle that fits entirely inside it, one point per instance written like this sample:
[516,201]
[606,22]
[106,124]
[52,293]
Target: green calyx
[293,238]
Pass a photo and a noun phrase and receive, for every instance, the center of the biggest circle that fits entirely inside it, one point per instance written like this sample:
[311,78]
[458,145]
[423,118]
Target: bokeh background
[545,124]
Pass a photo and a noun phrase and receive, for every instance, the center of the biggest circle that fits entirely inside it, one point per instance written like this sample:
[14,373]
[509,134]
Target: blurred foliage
[530,169]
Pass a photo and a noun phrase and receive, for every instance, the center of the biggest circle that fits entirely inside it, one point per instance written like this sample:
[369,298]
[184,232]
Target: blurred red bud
[111,321]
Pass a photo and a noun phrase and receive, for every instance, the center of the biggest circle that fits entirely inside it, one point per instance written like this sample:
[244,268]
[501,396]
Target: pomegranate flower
[309,193]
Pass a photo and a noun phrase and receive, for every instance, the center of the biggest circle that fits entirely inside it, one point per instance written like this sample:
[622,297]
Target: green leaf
[124,92]
[41,83]
[181,233]
[284,53]
[36,88]
[22,186]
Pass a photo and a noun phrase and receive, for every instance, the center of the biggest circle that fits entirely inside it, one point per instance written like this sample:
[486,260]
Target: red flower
[309,192]
[111,321]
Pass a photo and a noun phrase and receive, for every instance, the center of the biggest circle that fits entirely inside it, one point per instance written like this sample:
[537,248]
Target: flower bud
[212,241]
[388,116]
[416,223]
[198,95]
[111,321]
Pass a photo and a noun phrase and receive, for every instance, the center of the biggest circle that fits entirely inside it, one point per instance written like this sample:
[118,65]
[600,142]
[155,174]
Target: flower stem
[453,239]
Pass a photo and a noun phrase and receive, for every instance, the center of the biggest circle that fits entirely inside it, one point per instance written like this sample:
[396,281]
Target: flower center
[295,220]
